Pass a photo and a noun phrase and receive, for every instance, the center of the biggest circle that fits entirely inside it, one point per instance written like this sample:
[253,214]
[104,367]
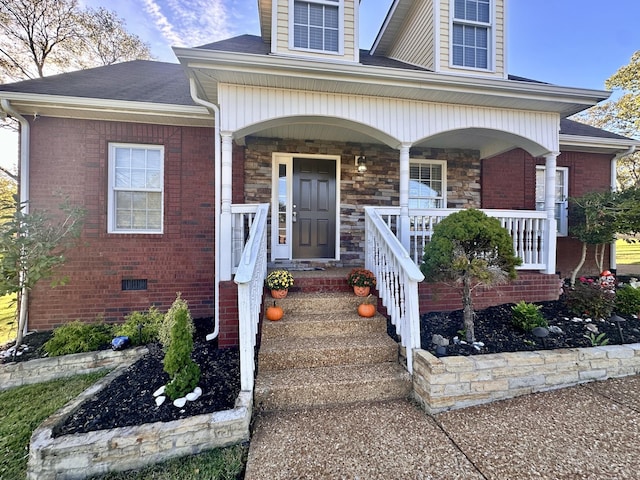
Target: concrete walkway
[590,431]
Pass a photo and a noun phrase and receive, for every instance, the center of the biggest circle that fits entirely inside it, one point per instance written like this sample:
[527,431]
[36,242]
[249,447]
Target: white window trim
[491,37]
[111,216]
[334,3]
[563,221]
[443,165]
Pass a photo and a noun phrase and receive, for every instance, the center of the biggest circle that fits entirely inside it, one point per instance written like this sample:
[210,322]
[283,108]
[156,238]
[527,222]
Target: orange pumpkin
[366,310]
[274,312]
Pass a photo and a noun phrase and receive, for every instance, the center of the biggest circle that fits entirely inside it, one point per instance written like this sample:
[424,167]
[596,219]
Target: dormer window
[471,26]
[316,25]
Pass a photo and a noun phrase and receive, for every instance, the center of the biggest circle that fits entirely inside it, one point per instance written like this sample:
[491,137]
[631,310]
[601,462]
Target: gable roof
[135,81]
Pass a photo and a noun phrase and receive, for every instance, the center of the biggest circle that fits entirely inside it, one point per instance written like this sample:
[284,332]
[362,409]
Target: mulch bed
[493,327]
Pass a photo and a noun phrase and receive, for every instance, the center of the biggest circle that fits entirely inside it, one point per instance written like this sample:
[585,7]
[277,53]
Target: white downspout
[23,185]
[614,186]
[217,193]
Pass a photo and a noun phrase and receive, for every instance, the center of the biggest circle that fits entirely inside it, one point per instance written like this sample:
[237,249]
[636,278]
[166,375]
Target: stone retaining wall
[53,368]
[81,455]
[448,383]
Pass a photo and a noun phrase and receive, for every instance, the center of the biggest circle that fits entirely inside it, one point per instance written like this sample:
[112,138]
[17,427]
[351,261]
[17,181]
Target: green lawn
[7,318]
[627,253]
[22,409]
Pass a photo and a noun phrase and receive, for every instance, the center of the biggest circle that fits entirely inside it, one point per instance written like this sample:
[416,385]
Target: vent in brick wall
[134,284]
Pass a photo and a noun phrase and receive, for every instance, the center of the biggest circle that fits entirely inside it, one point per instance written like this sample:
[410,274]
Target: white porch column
[404,226]
[550,208]
[225,202]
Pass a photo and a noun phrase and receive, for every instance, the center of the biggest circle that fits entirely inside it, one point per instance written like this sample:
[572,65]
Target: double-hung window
[561,196]
[136,188]
[427,184]
[316,25]
[471,34]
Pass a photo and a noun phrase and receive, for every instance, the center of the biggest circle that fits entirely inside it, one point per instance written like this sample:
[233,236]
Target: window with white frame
[561,197]
[471,33]
[136,188]
[316,25]
[427,184]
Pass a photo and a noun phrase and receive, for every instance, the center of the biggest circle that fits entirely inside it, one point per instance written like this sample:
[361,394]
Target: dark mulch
[493,327]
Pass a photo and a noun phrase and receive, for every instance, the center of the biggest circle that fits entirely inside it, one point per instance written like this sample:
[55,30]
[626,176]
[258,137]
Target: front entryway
[314,208]
[304,208]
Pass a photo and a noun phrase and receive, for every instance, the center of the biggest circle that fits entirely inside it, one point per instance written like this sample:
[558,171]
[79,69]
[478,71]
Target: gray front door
[314,208]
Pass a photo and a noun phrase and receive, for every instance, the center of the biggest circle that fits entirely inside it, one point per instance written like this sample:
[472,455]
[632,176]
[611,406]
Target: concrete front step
[324,325]
[288,353]
[318,302]
[333,385]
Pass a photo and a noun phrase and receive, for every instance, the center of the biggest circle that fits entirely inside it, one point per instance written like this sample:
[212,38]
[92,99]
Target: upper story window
[471,33]
[562,194]
[427,184]
[136,188]
[316,25]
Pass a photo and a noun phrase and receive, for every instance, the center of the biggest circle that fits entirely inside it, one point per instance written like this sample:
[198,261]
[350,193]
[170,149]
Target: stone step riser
[321,327]
[306,396]
[306,304]
[322,357]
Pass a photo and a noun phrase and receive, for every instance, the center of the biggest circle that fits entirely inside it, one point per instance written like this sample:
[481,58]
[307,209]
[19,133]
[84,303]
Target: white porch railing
[527,229]
[250,275]
[242,217]
[397,280]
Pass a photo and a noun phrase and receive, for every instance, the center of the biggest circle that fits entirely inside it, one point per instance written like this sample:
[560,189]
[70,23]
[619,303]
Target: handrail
[252,270]
[397,280]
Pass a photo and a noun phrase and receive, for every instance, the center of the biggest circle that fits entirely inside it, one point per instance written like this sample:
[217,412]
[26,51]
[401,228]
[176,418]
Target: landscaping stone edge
[449,383]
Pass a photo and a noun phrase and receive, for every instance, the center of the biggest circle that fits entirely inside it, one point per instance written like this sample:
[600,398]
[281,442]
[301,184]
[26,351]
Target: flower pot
[279,293]
[361,291]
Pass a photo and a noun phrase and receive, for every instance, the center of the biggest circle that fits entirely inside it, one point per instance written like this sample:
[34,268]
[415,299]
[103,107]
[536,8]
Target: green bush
[628,300]
[150,321]
[166,327]
[527,316]
[588,299]
[184,372]
[78,337]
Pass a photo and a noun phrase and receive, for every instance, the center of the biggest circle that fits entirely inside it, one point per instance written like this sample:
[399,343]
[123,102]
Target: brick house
[175,163]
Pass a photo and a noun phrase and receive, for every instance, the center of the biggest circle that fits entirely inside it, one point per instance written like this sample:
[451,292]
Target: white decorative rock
[193,396]
[160,400]
[159,391]
[180,402]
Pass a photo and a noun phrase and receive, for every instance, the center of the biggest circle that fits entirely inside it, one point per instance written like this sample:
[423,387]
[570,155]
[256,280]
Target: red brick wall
[70,156]
[508,181]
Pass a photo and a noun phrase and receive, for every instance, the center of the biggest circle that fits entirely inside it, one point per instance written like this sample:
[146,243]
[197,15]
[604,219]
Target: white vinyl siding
[471,34]
[316,25]
[427,184]
[136,188]
[562,195]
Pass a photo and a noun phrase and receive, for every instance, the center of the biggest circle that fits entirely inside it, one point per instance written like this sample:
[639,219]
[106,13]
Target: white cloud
[201,21]
[163,24]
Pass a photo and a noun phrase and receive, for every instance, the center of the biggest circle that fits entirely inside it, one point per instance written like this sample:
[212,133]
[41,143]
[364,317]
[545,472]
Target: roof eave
[597,144]
[570,100]
[92,108]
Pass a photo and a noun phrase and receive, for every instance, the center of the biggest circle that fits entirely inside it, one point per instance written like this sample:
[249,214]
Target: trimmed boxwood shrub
[628,300]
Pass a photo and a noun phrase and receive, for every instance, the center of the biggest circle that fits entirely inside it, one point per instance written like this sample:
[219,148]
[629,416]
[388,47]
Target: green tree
[43,37]
[597,217]
[472,250]
[621,115]
[32,247]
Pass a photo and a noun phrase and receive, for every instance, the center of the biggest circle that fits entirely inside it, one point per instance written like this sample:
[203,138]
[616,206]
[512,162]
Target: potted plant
[361,280]
[279,282]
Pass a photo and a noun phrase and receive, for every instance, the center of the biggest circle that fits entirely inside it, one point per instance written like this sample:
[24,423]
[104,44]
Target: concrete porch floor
[584,432]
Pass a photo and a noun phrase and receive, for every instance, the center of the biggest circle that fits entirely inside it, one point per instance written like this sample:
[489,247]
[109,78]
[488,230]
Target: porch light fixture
[361,163]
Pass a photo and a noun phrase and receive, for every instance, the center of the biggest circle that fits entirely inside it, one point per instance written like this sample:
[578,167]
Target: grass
[627,253]
[219,464]
[22,409]
[7,318]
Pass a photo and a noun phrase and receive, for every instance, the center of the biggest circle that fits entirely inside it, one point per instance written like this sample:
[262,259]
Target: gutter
[614,186]
[23,185]
[217,192]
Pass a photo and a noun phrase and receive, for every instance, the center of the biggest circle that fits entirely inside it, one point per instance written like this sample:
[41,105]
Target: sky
[574,43]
